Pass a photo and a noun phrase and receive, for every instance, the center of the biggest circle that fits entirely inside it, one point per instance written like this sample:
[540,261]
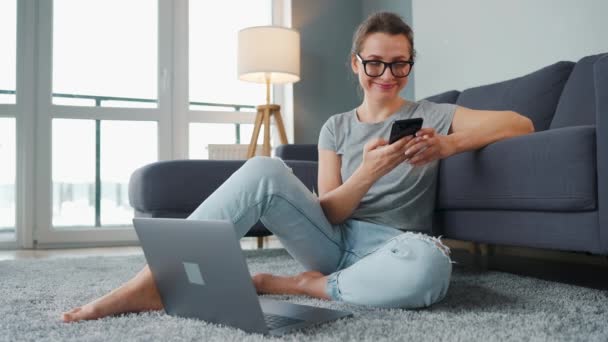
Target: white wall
[468,43]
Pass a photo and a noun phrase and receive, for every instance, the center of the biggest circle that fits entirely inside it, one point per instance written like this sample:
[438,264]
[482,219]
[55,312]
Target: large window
[8,42]
[8,152]
[7,178]
[213,79]
[92,163]
[92,90]
[105,53]
[212,48]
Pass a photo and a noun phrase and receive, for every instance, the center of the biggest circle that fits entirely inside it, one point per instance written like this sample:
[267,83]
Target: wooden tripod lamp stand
[270,55]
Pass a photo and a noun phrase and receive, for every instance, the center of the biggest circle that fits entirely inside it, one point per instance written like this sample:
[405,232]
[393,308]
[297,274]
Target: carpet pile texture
[479,306]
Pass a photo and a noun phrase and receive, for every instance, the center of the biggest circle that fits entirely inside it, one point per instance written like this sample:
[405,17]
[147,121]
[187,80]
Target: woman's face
[386,48]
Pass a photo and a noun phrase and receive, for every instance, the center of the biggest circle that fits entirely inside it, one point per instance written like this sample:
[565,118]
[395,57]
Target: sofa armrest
[553,170]
[297,152]
[177,185]
[180,186]
[600,73]
[306,171]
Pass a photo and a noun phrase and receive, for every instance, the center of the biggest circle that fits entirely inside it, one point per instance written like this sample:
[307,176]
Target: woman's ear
[353,63]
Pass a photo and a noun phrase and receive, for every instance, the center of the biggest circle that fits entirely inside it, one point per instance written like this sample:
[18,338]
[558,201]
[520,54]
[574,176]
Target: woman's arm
[338,199]
[470,130]
[473,129]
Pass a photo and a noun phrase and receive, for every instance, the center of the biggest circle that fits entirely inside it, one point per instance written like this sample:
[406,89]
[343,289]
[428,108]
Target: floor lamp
[270,55]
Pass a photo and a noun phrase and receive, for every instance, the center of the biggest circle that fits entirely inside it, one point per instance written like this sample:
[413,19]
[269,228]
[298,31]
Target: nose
[387,75]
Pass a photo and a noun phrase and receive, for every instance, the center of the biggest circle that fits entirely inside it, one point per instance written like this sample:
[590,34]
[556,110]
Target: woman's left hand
[426,147]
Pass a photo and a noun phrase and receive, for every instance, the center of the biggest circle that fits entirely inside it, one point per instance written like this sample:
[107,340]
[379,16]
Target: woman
[362,239]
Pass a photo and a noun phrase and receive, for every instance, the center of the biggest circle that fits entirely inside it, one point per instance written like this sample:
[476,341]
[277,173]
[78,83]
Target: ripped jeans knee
[411,270]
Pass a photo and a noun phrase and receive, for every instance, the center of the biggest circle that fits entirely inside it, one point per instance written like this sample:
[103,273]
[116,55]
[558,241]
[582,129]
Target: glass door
[102,113]
[8,128]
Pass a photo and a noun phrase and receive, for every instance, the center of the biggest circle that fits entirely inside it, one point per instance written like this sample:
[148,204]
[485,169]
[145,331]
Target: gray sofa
[547,189]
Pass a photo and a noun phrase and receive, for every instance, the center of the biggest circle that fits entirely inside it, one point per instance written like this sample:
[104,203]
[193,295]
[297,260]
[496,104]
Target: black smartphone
[403,128]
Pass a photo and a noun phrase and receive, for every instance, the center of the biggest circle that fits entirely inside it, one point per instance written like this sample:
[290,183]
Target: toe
[70,316]
[258,281]
[313,274]
[67,317]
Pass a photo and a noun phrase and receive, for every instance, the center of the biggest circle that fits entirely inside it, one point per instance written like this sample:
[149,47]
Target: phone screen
[403,128]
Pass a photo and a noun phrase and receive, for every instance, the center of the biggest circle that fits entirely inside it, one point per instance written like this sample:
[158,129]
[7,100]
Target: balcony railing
[98,102]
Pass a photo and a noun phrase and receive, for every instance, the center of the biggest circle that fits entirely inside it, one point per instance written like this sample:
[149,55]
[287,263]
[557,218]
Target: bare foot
[311,283]
[136,295]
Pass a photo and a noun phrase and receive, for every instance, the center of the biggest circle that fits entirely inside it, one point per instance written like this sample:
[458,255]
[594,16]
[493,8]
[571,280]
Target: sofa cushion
[168,188]
[175,188]
[534,95]
[297,152]
[554,170]
[177,185]
[577,103]
[446,97]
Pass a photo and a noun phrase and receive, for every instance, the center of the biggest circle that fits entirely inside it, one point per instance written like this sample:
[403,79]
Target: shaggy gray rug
[489,306]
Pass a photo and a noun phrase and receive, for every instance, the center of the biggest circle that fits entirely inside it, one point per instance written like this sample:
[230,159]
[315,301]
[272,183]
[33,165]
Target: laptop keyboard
[276,321]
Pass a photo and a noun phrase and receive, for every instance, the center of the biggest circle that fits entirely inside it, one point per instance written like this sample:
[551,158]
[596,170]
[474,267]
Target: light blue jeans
[367,263]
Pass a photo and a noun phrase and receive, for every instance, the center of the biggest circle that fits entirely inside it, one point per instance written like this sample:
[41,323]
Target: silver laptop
[200,272]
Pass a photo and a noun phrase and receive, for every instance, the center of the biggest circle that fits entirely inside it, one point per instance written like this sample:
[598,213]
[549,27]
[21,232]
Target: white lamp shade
[269,51]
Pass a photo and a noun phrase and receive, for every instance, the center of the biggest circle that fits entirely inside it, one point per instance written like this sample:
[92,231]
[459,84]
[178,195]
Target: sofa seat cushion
[553,170]
[534,95]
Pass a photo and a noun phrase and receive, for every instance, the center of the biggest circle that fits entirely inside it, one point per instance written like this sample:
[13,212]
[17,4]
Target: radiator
[231,151]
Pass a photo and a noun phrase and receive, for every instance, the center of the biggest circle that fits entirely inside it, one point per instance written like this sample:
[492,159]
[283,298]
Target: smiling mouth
[384,86]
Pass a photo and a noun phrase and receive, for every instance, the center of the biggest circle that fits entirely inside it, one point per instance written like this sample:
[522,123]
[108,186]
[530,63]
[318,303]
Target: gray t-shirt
[404,198]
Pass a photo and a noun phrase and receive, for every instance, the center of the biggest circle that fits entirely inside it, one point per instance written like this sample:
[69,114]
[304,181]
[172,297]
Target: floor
[246,243]
[578,269]
[571,268]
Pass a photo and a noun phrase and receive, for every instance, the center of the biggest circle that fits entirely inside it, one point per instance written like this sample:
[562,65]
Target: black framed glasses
[376,68]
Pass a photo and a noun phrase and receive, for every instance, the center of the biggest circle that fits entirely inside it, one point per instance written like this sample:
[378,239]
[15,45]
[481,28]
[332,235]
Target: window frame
[11,111]
[34,112]
[45,235]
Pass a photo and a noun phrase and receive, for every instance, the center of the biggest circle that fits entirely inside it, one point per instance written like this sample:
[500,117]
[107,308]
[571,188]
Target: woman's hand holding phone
[426,147]
[380,157]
